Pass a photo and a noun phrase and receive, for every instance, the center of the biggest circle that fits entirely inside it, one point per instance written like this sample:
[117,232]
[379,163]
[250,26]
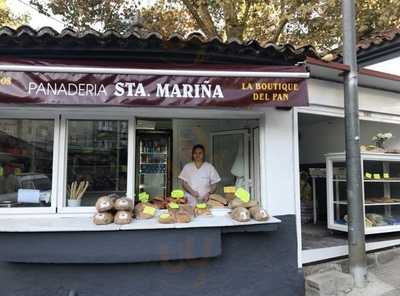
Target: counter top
[59,223]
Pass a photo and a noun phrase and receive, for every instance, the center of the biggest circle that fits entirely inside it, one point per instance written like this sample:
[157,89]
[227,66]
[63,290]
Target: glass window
[97,160]
[26,162]
[164,159]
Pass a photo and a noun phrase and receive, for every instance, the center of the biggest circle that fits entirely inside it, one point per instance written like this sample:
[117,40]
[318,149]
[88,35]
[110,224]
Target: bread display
[145,210]
[218,198]
[111,209]
[240,214]
[235,203]
[258,214]
[180,213]
[202,209]
[121,211]
[159,202]
[105,203]
[180,201]
[123,204]
[250,204]
[103,218]
[182,217]
[166,218]
[229,192]
[123,217]
[215,204]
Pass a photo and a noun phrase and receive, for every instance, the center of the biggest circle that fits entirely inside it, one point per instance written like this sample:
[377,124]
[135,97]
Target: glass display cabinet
[381,191]
[153,163]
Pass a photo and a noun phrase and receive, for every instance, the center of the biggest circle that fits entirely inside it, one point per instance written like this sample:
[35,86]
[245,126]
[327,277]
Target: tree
[118,15]
[300,22]
[166,18]
[9,19]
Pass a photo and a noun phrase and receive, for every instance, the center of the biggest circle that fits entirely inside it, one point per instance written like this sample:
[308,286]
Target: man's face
[198,155]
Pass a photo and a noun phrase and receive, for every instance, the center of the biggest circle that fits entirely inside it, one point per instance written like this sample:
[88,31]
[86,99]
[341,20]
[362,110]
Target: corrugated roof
[379,38]
[378,47]
[381,46]
[90,44]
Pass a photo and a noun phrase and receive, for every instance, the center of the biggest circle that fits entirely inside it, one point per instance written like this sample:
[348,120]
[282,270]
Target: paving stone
[387,256]
[328,283]
[392,293]
[372,260]
[319,268]
[383,276]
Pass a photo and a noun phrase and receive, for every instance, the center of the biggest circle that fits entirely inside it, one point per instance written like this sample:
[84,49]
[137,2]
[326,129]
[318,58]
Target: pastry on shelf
[103,218]
[123,217]
[159,202]
[180,213]
[123,204]
[259,214]
[165,218]
[145,210]
[240,214]
[215,204]
[238,203]
[105,203]
[218,198]
[202,209]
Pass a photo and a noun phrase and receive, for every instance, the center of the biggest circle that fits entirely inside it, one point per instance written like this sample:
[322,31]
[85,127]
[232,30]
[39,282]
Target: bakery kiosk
[88,114]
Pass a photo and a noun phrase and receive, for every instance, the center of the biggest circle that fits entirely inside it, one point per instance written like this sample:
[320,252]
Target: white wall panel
[327,136]
[279,164]
[326,93]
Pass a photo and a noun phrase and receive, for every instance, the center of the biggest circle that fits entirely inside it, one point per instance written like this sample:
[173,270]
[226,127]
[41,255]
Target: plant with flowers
[381,138]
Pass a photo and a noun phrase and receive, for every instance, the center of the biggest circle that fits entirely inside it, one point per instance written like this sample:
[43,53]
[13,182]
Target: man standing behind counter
[199,178]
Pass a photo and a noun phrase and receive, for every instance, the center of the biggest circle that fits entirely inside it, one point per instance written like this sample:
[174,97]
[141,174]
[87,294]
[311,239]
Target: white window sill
[59,223]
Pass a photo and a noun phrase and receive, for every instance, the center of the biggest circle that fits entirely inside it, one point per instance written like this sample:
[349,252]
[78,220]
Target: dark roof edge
[376,54]
[339,67]
[47,42]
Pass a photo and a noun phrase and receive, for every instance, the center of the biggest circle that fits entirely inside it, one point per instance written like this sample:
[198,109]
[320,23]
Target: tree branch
[233,27]
[278,32]
[246,14]
[207,26]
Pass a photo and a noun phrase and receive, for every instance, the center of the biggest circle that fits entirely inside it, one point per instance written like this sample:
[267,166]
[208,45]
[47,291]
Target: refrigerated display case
[153,163]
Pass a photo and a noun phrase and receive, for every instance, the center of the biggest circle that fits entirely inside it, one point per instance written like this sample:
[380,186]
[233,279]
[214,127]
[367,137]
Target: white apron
[199,179]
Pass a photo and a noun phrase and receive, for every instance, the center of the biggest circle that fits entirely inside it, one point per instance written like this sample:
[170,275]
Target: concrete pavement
[383,276]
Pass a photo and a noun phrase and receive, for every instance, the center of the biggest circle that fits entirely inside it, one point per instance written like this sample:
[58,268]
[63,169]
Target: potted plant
[75,193]
[381,138]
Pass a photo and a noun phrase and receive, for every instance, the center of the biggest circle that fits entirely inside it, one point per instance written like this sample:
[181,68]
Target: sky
[38,20]
[391,66]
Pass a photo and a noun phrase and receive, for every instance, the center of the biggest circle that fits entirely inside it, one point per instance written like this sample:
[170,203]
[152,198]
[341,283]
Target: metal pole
[137,71]
[356,230]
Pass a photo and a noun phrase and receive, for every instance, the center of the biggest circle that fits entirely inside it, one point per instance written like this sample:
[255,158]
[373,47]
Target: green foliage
[300,22]
[118,15]
[9,19]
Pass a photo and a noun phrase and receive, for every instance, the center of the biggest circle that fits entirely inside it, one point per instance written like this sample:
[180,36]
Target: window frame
[60,115]
[62,174]
[34,115]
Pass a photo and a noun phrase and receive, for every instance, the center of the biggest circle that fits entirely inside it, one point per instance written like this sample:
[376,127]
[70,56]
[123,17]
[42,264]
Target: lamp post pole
[356,227]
